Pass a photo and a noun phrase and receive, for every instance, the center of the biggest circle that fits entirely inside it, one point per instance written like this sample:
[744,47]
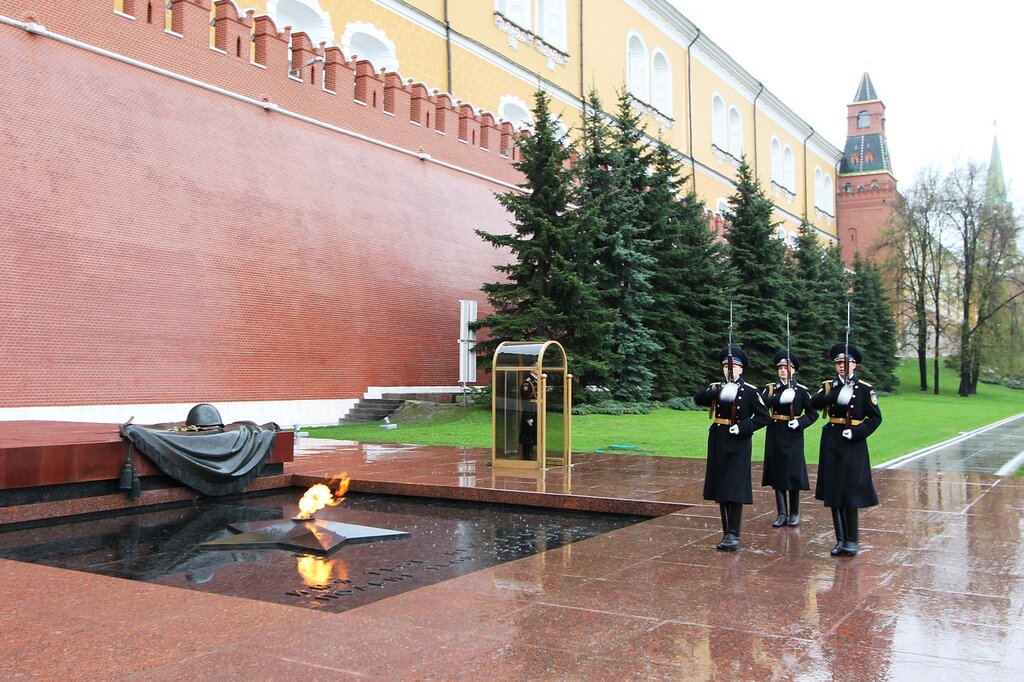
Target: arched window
[718,137]
[721,206]
[776,161]
[636,66]
[515,111]
[788,169]
[735,132]
[830,195]
[863,119]
[366,41]
[819,188]
[551,22]
[662,95]
[302,15]
[516,11]
[559,129]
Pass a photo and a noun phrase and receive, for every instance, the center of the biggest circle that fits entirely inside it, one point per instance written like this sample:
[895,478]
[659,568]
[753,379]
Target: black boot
[794,508]
[723,509]
[850,544]
[731,541]
[837,523]
[780,506]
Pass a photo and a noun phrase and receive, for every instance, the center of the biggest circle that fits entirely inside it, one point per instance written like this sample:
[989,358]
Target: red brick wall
[164,243]
[864,214]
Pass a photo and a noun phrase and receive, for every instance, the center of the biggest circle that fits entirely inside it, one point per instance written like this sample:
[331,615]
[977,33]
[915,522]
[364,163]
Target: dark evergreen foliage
[686,301]
[758,258]
[545,296]
[612,182]
[873,326]
[818,308]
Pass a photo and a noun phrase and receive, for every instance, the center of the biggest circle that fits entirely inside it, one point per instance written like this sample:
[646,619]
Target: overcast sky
[945,72]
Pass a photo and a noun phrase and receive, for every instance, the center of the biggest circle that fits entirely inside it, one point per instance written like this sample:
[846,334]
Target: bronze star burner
[306,535]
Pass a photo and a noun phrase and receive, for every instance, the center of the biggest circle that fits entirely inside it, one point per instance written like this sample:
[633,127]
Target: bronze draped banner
[220,461]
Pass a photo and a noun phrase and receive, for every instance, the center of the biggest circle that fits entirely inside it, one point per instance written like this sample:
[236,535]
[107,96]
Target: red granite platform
[937,592]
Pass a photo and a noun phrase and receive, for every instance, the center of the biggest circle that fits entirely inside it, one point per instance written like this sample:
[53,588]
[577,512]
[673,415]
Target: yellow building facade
[494,54]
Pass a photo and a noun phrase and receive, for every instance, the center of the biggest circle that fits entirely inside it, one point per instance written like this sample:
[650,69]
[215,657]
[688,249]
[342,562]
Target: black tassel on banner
[127,473]
[136,486]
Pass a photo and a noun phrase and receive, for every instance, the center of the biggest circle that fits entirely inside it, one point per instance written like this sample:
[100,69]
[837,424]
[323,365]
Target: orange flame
[317,571]
[319,496]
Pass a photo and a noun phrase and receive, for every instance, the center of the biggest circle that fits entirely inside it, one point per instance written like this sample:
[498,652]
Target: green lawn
[911,420]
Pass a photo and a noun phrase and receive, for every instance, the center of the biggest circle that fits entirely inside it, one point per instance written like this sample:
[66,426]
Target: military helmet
[204,414]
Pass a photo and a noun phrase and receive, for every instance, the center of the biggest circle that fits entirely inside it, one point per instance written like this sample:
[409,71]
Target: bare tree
[986,238]
[916,265]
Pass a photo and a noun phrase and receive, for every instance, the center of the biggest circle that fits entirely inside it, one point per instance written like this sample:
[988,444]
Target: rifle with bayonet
[846,393]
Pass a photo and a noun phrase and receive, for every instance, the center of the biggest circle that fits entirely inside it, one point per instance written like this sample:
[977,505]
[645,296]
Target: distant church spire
[995,189]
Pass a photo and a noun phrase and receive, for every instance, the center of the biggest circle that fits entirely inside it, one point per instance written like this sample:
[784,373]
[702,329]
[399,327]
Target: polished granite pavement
[997,449]
[937,591]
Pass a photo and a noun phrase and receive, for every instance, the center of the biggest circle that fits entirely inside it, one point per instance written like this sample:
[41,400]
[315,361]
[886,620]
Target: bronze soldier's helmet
[202,415]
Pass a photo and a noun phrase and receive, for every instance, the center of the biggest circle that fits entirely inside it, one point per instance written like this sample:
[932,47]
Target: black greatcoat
[727,478]
[785,467]
[844,469]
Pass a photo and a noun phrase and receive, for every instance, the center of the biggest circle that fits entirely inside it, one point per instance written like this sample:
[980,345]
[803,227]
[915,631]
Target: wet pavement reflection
[936,592]
[997,450]
[177,547]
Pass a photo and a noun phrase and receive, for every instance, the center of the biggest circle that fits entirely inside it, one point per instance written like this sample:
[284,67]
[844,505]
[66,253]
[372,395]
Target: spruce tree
[612,181]
[685,297]
[543,295]
[817,306]
[758,258]
[630,261]
[874,331]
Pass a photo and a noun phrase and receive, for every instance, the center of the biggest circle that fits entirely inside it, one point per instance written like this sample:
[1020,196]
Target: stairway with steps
[371,410]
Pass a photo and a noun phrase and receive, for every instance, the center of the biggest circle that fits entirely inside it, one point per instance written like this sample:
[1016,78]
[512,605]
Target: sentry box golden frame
[531,410]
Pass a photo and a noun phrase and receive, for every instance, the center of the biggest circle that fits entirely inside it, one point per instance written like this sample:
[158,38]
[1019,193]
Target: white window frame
[557,35]
[735,132]
[776,157]
[637,76]
[387,60]
[719,136]
[661,82]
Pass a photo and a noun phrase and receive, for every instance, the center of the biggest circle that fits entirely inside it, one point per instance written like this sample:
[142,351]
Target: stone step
[371,410]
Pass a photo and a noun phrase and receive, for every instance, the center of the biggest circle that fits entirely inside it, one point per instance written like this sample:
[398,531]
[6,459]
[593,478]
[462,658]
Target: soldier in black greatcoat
[844,469]
[527,417]
[737,411]
[785,468]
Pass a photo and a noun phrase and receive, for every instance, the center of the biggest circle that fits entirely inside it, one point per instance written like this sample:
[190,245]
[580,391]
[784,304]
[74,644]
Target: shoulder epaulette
[864,383]
[770,388]
[802,386]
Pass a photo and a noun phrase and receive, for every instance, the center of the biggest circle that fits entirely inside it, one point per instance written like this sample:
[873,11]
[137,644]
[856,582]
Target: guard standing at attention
[785,468]
[844,468]
[736,410]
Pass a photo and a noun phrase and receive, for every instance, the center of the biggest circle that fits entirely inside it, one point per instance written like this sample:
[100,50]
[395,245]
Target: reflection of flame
[318,571]
[320,496]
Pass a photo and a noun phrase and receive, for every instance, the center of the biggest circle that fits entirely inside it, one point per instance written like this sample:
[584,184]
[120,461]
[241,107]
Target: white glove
[529,422]
[848,434]
[734,429]
[794,424]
